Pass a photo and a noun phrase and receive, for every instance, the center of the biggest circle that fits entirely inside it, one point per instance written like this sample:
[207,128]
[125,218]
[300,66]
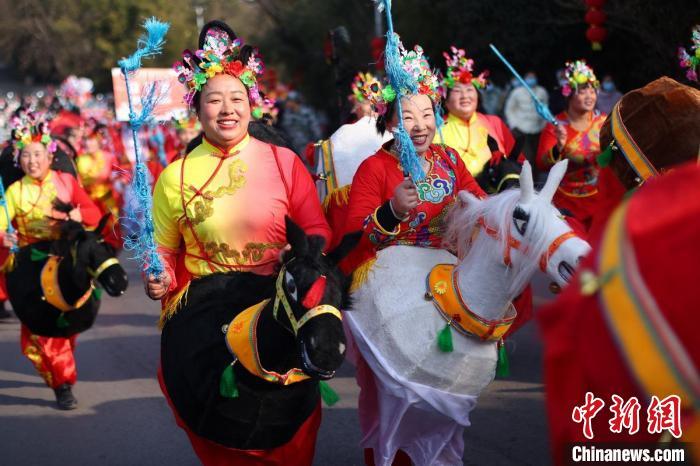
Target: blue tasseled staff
[540,107]
[404,84]
[143,244]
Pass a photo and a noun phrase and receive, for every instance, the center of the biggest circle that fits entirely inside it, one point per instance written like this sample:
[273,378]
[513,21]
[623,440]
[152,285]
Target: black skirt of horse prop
[54,286]
[255,389]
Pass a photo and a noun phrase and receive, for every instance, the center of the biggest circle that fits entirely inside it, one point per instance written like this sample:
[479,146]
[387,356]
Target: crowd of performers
[241,222]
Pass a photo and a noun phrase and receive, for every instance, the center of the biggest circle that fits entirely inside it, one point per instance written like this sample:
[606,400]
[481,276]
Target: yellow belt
[445,294]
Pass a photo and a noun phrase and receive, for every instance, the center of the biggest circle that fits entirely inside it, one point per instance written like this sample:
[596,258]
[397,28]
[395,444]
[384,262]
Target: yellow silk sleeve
[166,211]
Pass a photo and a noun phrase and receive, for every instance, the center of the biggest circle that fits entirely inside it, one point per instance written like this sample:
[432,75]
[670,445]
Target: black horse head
[500,173]
[316,291]
[92,258]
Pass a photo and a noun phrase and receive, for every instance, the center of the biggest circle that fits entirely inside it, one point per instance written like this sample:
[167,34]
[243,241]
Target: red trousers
[52,357]
[299,451]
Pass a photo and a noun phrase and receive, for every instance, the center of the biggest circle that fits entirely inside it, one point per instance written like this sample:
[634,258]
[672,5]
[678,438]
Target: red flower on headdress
[234,68]
[465,77]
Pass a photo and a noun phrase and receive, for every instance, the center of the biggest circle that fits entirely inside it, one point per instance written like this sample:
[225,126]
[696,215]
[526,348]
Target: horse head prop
[92,258]
[517,232]
[310,291]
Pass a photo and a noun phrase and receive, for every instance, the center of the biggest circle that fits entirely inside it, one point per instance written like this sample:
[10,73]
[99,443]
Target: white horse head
[520,229]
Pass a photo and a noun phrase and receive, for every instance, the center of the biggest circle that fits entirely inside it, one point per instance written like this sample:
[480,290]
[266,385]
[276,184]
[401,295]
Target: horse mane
[497,211]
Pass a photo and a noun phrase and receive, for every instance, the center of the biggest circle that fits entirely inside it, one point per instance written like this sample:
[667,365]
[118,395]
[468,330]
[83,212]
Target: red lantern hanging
[595,18]
[377,49]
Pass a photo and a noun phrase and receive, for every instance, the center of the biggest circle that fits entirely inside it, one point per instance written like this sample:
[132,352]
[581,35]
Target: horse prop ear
[103,223]
[556,174]
[346,245]
[465,198]
[296,237]
[527,186]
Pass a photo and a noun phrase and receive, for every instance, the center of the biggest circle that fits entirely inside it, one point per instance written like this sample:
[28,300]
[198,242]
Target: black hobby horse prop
[243,356]
[53,284]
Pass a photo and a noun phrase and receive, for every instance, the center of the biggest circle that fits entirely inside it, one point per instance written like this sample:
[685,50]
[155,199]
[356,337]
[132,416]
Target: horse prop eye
[290,285]
[520,220]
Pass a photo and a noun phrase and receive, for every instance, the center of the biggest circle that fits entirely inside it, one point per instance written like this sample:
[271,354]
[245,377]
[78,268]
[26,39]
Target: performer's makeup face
[224,110]
[584,99]
[186,135]
[35,160]
[462,101]
[92,145]
[418,120]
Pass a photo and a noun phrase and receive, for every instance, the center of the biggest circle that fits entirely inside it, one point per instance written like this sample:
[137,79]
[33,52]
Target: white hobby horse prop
[411,294]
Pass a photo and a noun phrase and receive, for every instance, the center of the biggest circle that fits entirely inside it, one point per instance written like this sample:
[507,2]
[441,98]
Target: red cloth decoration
[315,293]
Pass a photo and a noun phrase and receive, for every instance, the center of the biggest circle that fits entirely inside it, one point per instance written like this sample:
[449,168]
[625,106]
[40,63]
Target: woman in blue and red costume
[576,138]
[31,209]
[221,208]
[393,210]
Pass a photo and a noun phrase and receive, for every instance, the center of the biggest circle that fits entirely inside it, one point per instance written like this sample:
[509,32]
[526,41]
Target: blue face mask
[514,82]
[608,86]
[530,81]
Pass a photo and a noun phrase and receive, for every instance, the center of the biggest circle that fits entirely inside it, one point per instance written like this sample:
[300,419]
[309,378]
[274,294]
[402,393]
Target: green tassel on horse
[502,365]
[444,339]
[37,256]
[328,395]
[62,322]
[227,385]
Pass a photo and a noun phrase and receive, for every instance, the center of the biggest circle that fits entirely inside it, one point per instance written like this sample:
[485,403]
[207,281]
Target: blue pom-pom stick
[3,202]
[541,108]
[404,84]
[143,245]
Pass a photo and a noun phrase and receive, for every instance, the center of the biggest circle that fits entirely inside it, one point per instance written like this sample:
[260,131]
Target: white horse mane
[497,212]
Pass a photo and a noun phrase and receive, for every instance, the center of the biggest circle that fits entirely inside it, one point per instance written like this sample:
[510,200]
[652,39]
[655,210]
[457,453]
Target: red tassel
[496,157]
[315,293]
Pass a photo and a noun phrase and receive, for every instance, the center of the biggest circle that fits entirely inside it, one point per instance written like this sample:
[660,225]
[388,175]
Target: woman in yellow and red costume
[30,208]
[475,136]
[96,165]
[221,208]
[575,138]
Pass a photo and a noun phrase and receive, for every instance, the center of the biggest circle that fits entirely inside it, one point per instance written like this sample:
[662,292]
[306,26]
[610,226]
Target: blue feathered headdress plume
[404,84]
[143,244]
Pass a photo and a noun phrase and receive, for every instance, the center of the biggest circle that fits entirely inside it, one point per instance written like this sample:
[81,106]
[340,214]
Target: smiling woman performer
[391,210]
[221,208]
[576,138]
[474,135]
[31,207]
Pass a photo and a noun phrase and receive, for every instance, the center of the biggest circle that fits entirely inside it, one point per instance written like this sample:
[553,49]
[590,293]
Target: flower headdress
[221,55]
[416,66]
[74,87]
[578,74]
[460,69]
[187,121]
[30,127]
[691,61]
[358,83]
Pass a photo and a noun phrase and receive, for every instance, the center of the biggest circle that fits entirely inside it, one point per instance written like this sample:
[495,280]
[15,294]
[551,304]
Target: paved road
[123,419]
